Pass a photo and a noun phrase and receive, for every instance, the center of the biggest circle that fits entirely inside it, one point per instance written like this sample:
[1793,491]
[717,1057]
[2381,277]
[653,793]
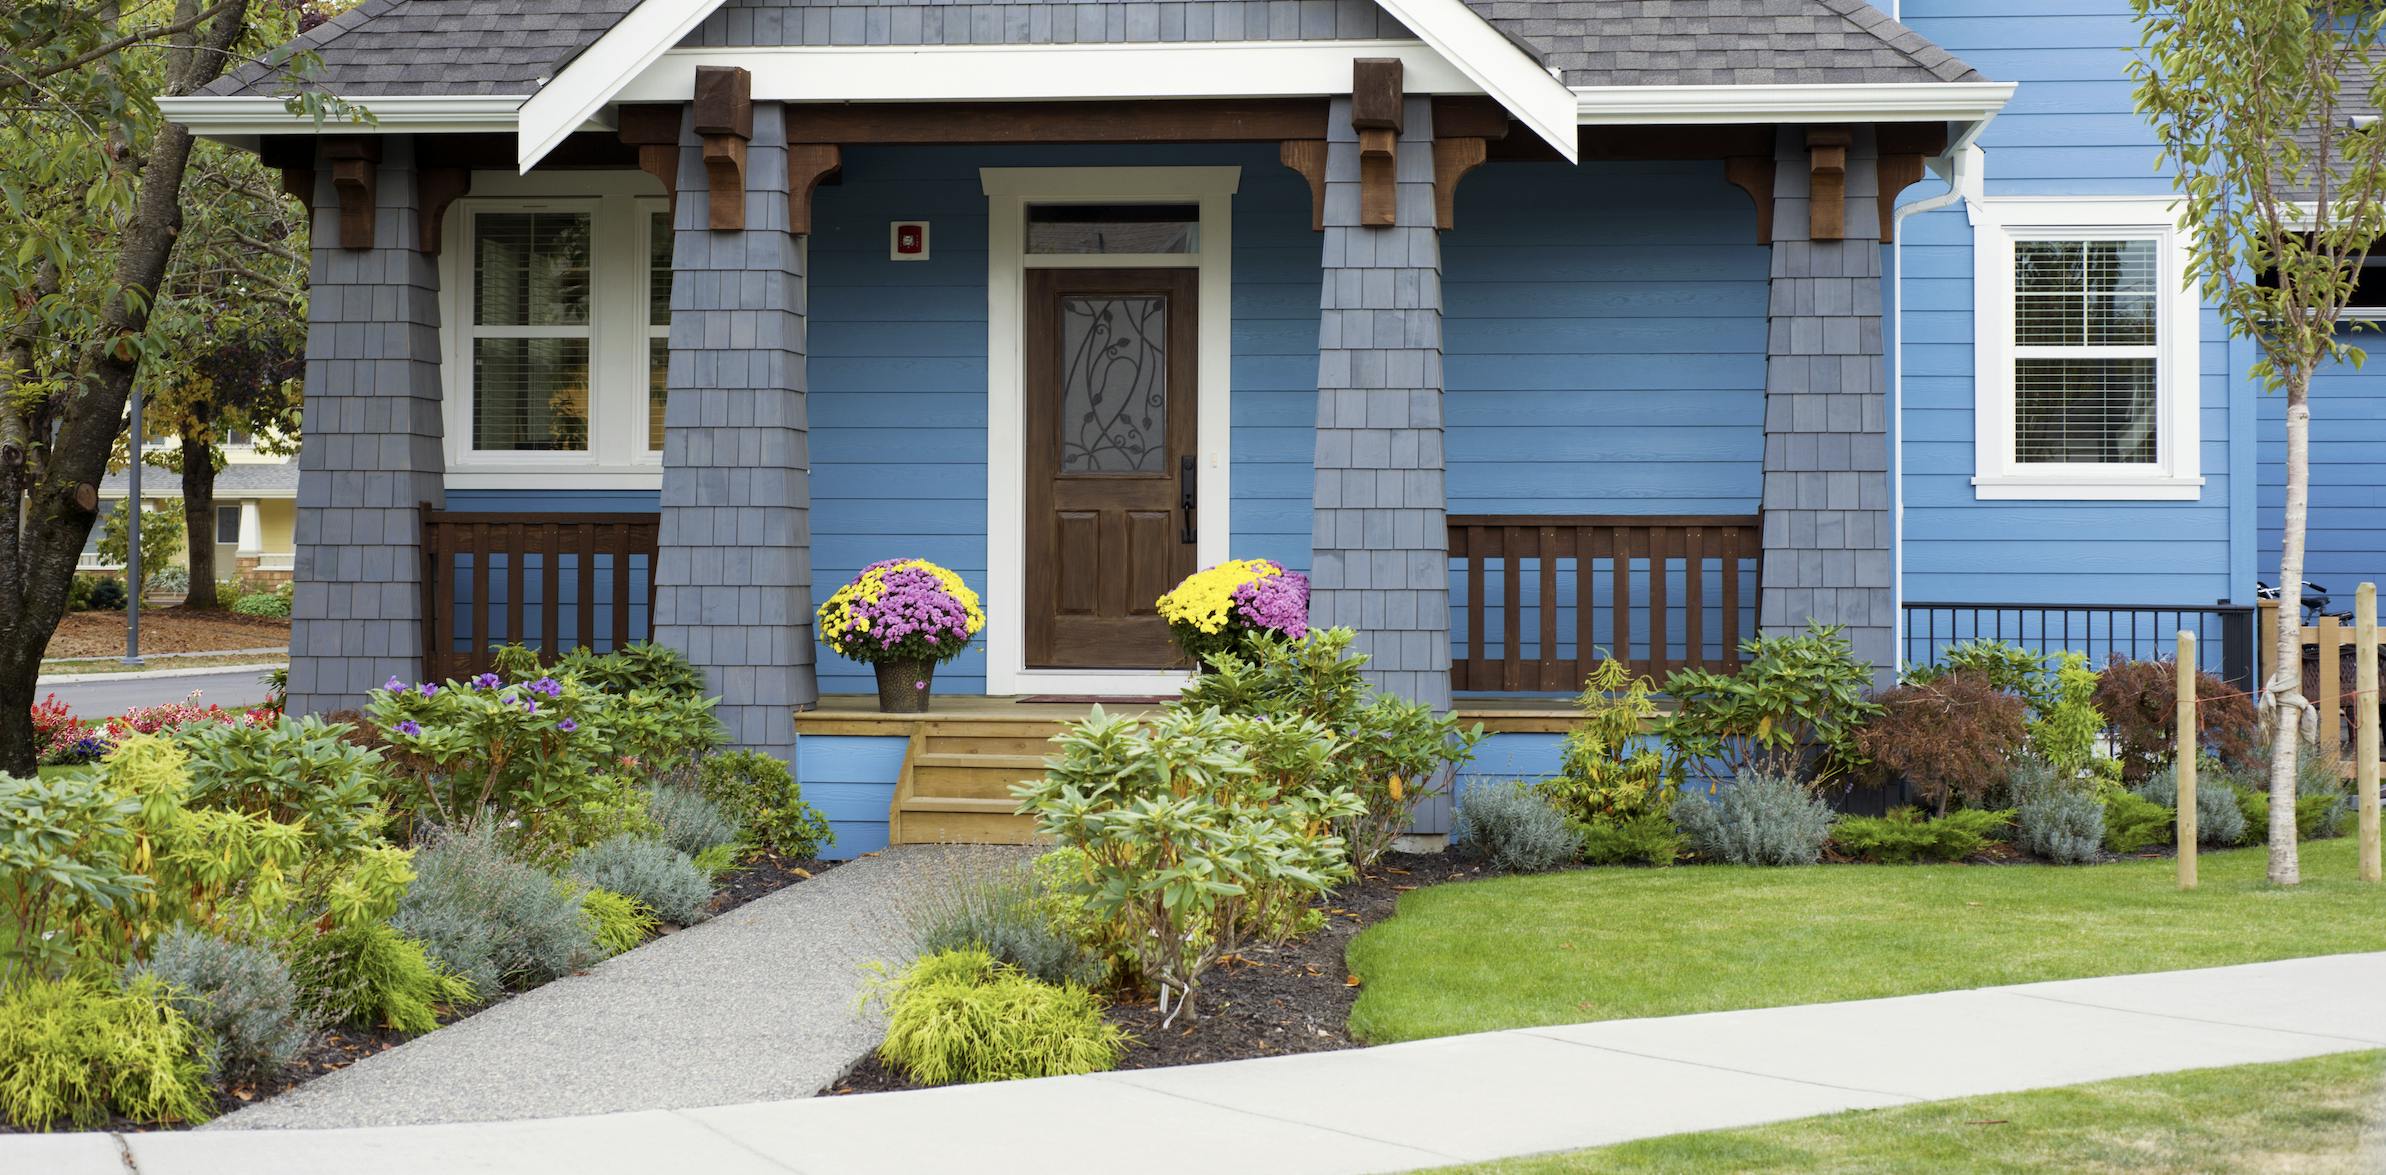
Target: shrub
[960,1016]
[495,921]
[1614,784]
[2133,823]
[1000,911]
[163,535]
[618,922]
[107,595]
[78,592]
[636,668]
[293,770]
[57,733]
[1905,836]
[1388,752]
[1953,738]
[270,605]
[66,844]
[1192,846]
[369,974]
[2064,723]
[760,793]
[2063,825]
[2323,798]
[521,752]
[2140,702]
[79,1050]
[172,579]
[1757,820]
[664,878]
[1064,881]
[2005,666]
[691,823]
[1220,609]
[240,996]
[1792,710]
[1509,827]
[1650,838]
[2219,813]
[611,805]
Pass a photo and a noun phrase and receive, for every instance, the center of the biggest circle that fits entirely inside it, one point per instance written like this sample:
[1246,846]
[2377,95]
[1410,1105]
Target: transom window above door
[1134,230]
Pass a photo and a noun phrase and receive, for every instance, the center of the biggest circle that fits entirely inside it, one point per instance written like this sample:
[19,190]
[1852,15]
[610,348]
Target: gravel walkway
[755,1005]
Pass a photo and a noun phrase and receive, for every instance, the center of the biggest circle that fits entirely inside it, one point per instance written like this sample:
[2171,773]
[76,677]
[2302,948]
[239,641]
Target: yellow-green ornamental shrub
[958,1016]
[372,975]
[618,921]
[79,1050]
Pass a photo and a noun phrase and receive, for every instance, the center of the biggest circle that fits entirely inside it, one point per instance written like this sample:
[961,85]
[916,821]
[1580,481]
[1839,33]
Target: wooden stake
[2189,744]
[2365,730]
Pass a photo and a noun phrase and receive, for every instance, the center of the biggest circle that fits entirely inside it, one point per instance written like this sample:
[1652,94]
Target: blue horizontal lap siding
[1607,361]
[851,779]
[2071,129]
[2345,535]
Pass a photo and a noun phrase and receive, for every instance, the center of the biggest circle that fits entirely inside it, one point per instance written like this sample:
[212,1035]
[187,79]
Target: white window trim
[1009,191]
[617,456]
[2176,474]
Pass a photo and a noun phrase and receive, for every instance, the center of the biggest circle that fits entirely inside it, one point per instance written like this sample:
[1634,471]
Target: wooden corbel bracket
[724,122]
[1753,174]
[1452,159]
[1826,155]
[1898,172]
[807,165]
[1308,157]
[434,189]
[653,128]
[1376,109]
[356,180]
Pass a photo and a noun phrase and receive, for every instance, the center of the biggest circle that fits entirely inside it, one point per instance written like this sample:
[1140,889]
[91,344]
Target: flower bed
[227,904]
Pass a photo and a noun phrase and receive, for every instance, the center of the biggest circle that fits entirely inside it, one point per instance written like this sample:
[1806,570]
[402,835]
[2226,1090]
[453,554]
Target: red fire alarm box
[907,240]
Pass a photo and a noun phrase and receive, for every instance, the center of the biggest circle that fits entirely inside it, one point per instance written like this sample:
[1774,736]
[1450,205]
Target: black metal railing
[2224,632]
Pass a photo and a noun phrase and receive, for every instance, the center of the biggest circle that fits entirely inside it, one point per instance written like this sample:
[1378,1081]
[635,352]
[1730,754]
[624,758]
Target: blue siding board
[851,779]
[2345,535]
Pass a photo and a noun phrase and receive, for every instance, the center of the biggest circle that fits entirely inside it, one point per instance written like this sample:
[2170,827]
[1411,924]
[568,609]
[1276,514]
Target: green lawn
[2303,1116]
[1604,944]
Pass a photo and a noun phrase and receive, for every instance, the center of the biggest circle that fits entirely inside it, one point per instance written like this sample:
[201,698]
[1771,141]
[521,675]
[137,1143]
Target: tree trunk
[51,530]
[198,511]
[2287,683]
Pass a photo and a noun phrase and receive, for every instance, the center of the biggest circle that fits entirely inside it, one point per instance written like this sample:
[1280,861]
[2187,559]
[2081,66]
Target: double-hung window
[557,358]
[2086,345]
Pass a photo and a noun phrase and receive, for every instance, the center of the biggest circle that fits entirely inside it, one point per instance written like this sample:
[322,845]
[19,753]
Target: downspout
[1963,166]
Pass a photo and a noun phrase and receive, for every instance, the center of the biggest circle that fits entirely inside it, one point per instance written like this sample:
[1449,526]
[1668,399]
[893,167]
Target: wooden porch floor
[857,714]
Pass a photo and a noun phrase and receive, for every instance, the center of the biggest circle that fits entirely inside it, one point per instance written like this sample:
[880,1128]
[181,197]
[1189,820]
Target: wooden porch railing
[551,582]
[1659,592]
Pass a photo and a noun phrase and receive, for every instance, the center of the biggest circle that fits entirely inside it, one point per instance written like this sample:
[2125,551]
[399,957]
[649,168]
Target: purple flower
[410,728]
[919,685]
[1278,603]
[485,681]
[567,726]
[393,684]
[530,706]
[428,690]
[548,686]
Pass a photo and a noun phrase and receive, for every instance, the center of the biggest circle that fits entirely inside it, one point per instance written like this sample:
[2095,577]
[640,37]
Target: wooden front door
[1111,450]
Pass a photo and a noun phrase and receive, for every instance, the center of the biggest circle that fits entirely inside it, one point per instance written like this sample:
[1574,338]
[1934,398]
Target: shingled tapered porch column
[734,574]
[372,453]
[1826,489]
[1380,561]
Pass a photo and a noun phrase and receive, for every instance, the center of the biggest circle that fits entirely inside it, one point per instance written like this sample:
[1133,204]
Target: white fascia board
[1525,87]
[213,117]
[1902,102]
[1022,73]
[593,78]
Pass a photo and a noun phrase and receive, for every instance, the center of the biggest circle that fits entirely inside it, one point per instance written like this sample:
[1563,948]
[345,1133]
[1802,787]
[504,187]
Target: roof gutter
[214,116]
[1968,102]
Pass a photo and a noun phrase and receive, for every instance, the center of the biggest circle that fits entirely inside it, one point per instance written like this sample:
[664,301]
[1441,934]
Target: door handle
[1187,482]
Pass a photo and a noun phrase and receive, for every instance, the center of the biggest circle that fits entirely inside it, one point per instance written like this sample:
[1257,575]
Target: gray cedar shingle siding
[373,450]
[507,46]
[1826,487]
[1379,560]
[734,573]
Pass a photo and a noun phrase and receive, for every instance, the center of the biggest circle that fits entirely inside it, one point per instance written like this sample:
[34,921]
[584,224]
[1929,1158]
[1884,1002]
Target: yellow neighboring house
[256,500]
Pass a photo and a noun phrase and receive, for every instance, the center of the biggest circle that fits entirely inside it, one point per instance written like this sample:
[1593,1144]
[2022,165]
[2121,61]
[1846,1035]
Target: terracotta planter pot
[903,686]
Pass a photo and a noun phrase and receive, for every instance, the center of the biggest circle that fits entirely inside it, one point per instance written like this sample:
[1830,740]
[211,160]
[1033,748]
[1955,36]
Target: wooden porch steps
[956,786]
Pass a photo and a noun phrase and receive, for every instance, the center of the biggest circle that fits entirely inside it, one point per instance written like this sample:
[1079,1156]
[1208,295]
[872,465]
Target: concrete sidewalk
[1382,1109]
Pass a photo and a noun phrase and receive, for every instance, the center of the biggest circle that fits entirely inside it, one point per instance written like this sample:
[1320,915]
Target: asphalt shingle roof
[236,480]
[463,47]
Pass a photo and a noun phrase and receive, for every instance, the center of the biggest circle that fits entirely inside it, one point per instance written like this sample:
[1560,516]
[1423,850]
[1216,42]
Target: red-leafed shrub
[1952,738]
[2140,702]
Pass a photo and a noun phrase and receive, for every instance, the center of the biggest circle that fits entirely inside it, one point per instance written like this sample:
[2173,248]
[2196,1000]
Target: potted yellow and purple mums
[1217,608]
[902,617]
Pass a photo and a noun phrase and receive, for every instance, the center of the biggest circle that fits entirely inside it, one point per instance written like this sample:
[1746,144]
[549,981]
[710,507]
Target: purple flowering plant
[901,610]
[1217,609]
[525,752]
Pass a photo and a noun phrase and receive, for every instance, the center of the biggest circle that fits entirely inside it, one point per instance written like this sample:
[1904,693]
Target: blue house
[1530,330]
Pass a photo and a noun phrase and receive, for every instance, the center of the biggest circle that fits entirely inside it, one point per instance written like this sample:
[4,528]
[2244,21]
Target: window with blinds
[530,334]
[2086,352]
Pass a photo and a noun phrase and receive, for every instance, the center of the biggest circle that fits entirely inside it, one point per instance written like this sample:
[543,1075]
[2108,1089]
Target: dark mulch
[337,1048]
[1272,1001]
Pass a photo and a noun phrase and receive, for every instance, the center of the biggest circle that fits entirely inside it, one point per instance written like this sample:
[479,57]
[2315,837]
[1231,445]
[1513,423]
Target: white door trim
[1009,190]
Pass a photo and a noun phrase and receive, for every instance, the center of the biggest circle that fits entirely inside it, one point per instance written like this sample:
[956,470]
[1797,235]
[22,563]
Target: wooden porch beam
[724,110]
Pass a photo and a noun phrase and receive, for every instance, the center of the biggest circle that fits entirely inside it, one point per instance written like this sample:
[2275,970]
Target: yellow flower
[1205,599]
